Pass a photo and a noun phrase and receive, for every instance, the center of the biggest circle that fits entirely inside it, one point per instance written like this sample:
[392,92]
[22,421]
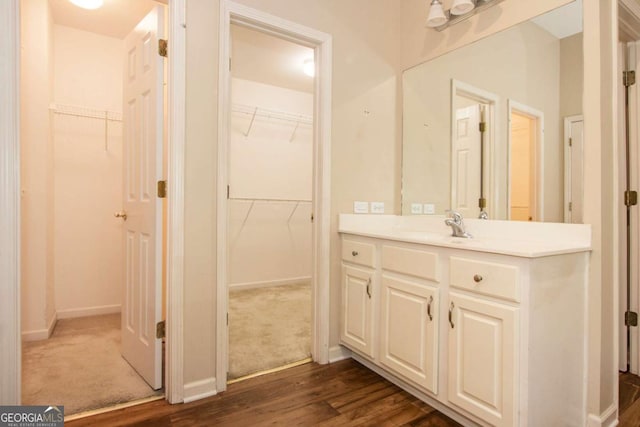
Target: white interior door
[574,172]
[143,136]
[466,161]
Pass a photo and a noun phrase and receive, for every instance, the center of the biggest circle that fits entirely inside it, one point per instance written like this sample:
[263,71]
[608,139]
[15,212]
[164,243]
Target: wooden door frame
[459,88]
[232,12]
[513,106]
[10,341]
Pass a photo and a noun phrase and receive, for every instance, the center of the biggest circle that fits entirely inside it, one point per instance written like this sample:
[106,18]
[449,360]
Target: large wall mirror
[496,126]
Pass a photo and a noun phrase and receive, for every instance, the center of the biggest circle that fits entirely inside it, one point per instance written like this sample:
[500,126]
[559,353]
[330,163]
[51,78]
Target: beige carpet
[80,367]
[268,328]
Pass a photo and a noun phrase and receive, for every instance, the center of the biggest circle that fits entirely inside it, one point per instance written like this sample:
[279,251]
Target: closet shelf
[92,113]
[271,114]
[248,199]
[253,112]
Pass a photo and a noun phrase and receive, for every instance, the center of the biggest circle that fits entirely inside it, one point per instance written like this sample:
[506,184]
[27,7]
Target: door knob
[121,214]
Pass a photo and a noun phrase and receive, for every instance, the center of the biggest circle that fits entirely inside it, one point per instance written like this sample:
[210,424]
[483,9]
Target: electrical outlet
[429,208]
[361,207]
[416,209]
[377,207]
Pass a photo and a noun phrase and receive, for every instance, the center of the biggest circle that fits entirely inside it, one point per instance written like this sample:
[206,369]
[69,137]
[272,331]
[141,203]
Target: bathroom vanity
[489,330]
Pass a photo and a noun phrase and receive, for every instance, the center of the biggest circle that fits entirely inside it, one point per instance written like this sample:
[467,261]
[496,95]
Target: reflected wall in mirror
[522,83]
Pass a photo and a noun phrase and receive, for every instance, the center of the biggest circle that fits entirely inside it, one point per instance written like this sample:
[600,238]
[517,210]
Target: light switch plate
[416,209]
[361,207]
[429,208]
[377,207]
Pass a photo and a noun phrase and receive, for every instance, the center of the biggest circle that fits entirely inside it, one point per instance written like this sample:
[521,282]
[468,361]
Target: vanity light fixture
[460,11]
[436,15]
[88,4]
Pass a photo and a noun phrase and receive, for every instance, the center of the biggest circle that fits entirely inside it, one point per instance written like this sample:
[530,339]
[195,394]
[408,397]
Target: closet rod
[270,113]
[247,199]
[87,116]
[75,111]
[91,113]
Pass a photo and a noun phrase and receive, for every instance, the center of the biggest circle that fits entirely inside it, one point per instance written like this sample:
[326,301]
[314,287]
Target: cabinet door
[356,329]
[409,331]
[483,358]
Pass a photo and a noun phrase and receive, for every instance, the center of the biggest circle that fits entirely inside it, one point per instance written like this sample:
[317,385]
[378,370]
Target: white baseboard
[88,311]
[609,418]
[41,334]
[338,353]
[197,390]
[269,283]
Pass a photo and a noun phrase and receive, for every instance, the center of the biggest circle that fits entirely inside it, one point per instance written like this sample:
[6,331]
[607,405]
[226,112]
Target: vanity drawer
[358,252]
[413,262]
[496,280]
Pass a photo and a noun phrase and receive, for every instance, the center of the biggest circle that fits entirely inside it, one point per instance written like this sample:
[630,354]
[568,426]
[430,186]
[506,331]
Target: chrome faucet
[457,225]
[483,215]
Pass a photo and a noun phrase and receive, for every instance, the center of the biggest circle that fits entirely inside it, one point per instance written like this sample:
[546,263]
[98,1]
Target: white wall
[36,86]
[270,241]
[88,174]
[364,147]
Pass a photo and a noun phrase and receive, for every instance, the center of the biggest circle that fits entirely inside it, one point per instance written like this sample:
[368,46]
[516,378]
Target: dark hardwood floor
[340,394]
[629,400]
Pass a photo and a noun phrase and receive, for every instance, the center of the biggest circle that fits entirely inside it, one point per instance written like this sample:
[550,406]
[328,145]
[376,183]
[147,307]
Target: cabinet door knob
[477,278]
[451,315]
[354,253]
[429,308]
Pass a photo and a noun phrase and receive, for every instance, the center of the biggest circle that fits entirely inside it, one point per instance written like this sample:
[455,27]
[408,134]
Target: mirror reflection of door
[466,147]
[471,148]
[526,128]
[522,193]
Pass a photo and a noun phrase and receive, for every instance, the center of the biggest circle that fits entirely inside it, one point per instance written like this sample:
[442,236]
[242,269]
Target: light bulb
[436,15]
[460,7]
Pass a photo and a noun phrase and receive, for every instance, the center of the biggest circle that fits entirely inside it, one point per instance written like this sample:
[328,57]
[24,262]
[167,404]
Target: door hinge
[628,78]
[631,318]
[227,319]
[482,126]
[312,217]
[161,330]
[630,198]
[163,48]
[228,191]
[162,189]
[570,206]
[570,142]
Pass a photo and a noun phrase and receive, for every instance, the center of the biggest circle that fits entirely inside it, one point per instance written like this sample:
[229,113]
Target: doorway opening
[526,127]
[75,168]
[232,13]
[269,203]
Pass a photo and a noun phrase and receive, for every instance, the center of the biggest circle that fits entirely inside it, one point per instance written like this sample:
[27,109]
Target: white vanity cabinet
[409,315]
[483,339]
[490,339]
[358,281]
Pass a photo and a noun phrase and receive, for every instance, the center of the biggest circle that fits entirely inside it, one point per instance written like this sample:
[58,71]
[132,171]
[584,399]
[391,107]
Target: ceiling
[270,60]
[255,55]
[115,19]
[564,21]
